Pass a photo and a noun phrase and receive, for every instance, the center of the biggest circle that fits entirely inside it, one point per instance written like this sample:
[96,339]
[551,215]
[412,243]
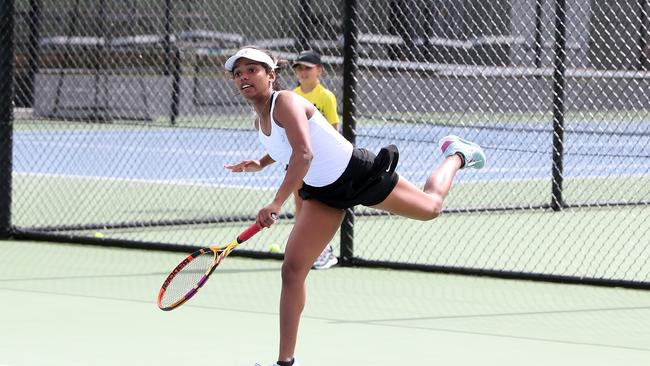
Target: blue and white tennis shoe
[473,155]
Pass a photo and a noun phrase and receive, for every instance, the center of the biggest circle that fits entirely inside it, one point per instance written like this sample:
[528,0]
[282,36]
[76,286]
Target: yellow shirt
[324,100]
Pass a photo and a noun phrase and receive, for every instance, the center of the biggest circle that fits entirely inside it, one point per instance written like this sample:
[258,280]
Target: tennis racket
[193,272]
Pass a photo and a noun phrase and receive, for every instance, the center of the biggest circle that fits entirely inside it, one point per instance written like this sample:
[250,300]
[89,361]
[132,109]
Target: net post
[6,113]
[350,68]
[559,82]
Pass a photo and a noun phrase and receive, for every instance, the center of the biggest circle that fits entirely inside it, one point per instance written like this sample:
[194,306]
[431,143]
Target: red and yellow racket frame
[219,253]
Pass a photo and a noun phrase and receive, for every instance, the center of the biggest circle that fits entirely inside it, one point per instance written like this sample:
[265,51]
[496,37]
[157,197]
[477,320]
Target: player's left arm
[250,165]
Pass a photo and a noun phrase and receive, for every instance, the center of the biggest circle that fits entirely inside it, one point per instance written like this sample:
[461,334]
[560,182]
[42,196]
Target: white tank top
[331,152]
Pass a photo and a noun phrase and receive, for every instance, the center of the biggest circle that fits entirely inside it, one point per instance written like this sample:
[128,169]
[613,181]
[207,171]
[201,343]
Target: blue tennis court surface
[197,156]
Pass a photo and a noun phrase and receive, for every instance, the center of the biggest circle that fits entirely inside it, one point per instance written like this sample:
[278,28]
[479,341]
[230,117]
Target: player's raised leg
[409,201]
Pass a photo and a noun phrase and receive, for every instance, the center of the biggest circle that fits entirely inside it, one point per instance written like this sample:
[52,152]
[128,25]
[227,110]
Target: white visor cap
[251,54]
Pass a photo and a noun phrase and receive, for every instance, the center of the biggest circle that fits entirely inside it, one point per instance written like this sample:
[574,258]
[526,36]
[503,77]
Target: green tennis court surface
[77,305]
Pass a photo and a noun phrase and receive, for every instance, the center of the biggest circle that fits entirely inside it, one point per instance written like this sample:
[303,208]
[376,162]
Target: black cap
[308,58]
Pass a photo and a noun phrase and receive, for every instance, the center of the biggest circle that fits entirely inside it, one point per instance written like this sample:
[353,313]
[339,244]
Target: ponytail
[278,84]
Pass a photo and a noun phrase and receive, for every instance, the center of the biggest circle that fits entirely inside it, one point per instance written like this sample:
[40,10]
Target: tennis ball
[274,248]
[98,235]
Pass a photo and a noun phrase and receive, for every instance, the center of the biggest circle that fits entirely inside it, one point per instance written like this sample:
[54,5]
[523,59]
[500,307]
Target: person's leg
[313,229]
[408,200]
[298,201]
[326,258]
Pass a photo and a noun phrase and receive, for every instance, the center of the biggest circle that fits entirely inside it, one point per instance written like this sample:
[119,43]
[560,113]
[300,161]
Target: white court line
[131,149]
[150,181]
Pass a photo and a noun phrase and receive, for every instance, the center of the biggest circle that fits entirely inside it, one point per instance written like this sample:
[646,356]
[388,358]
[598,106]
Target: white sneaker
[326,259]
[473,155]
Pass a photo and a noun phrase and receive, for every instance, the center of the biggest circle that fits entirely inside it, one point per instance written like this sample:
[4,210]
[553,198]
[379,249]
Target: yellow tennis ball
[99,235]
[274,248]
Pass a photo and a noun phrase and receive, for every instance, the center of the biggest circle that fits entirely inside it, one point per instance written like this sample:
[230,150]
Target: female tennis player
[330,175]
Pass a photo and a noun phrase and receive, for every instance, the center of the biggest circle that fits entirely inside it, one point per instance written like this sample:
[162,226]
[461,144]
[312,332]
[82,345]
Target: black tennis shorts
[367,180]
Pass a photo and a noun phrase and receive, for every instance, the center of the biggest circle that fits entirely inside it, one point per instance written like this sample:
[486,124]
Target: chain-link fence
[124,117]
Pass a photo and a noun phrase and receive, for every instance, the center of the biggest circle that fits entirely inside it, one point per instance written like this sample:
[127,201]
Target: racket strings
[187,278]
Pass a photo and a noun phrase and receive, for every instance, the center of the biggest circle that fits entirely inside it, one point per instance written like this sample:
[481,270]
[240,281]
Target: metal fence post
[304,25]
[644,61]
[537,47]
[350,68]
[33,51]
[6,113]
[172,61]
[559,82]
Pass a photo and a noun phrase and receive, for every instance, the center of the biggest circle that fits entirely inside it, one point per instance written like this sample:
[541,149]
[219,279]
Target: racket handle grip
[248,233]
